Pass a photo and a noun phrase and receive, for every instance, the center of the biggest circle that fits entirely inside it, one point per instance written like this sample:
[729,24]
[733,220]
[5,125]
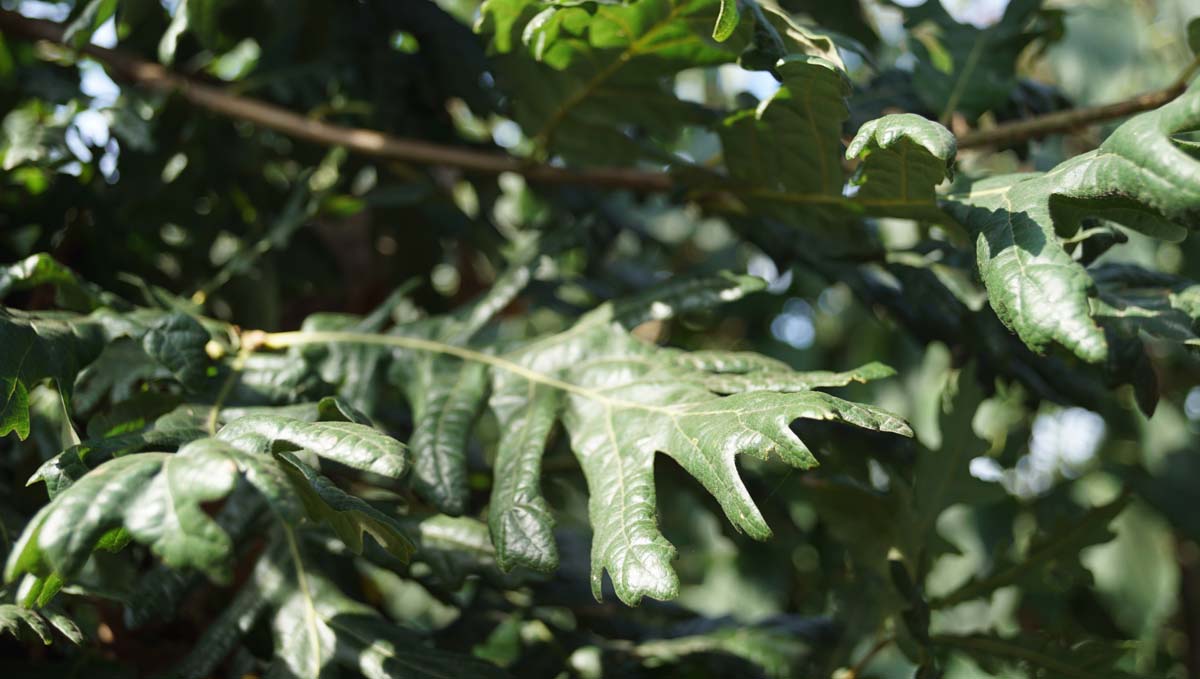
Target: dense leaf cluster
[294,412]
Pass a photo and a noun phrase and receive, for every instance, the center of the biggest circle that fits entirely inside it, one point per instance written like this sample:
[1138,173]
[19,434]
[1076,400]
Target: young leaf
[790,37]
[156,498]
[62,536]
[65,625]
[577,77]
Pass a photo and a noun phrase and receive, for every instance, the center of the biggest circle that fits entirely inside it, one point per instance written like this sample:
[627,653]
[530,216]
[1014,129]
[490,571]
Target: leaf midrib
[282,340]
[300,337]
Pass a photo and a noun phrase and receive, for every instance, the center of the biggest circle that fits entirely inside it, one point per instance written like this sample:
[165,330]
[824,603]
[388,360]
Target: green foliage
[17,620]
[624,403]
[42,269]
[904,157]
[1137,178]
[38,349]
[570,68]
[727,20]
[962,68]
[93,14]
[1040,657]
[271,408]
[156,498]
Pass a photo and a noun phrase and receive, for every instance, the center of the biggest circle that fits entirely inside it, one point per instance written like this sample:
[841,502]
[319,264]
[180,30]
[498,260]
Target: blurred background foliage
[144,195]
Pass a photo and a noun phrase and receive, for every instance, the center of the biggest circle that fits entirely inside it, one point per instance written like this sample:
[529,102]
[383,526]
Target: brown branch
[152,76]
[155,77]
[1074,119]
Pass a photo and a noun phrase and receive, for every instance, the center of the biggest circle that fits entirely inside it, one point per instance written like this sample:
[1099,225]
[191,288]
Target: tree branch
[1073,119]
[155,77]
